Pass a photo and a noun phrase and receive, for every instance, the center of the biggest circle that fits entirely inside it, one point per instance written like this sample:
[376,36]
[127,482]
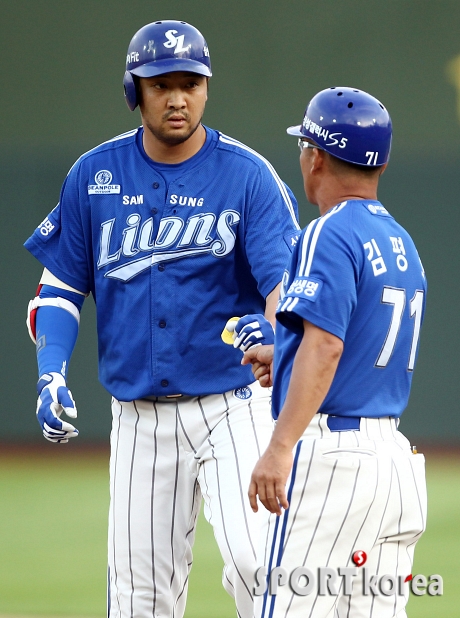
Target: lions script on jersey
[119,226]
[173,228]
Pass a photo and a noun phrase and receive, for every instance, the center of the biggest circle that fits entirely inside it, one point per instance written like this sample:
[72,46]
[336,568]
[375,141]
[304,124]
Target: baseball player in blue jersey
[346,490]
[173,228]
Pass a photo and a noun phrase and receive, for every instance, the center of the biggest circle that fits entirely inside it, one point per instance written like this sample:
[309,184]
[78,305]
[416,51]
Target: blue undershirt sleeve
[57,331]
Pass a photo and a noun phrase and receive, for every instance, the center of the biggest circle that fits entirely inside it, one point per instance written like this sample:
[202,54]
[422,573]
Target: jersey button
[154,210]
[162,324]
[156,185]
[161,267]
[164,383]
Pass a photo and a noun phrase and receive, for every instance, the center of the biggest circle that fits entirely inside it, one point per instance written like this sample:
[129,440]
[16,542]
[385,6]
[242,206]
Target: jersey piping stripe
[305,272]
[283,529]
[305,241]
[289,304]
[313,536]
[279,182]
[270,563]
[121,136]
[307,477]
[113,139]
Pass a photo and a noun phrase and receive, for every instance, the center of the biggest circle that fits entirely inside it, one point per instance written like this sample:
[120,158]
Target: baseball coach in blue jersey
[173,227]
[346,491]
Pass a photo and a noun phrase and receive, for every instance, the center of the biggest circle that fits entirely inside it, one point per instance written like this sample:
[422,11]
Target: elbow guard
[53,321]
[49,296]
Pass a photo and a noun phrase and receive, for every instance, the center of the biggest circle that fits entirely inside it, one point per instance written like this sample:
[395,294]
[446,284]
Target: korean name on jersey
[355,273]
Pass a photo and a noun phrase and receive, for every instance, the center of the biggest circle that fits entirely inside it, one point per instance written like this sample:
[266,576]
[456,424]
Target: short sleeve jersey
[355,273]
[169,259]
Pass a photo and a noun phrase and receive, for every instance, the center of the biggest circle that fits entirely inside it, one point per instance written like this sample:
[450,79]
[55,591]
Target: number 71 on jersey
[397,298]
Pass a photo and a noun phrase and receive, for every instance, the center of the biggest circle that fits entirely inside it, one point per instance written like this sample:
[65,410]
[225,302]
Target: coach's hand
[269,478]
[253,330]
[53,398]
[261,359]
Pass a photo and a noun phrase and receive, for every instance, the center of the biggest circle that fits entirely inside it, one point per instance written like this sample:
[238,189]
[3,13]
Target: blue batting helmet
[349,124]
[163,47]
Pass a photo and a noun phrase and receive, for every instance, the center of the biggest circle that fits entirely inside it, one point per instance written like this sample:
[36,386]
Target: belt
[343,423]
[162,397]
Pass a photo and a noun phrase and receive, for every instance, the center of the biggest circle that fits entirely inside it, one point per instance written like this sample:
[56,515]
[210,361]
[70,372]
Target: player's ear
[383,168]
[137,83]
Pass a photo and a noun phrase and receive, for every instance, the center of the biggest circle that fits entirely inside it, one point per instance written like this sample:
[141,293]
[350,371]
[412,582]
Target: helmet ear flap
[130,91]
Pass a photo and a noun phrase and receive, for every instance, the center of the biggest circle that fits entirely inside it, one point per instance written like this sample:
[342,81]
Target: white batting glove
[53,398]
[252,330]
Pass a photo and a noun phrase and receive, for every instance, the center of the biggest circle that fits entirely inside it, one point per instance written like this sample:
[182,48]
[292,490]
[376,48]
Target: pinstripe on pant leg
[150,535]
[357,490]
[237,432]
[331,499]
[402,523]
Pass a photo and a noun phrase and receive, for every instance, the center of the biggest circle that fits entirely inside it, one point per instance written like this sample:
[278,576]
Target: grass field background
[53,522]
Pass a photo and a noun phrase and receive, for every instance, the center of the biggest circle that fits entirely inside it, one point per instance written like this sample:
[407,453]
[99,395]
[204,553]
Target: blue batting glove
[53,398]
[253,330]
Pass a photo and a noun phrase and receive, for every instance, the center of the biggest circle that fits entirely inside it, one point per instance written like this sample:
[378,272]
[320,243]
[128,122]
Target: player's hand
[269,478]
[252,330]
[53,398]
[261,359]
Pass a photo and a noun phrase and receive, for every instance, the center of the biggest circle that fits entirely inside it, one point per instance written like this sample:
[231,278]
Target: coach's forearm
[314,368]
[270,304]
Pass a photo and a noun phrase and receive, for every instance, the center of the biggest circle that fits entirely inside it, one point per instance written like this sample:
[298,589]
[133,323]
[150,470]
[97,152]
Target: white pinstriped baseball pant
[165,455]
[348,491]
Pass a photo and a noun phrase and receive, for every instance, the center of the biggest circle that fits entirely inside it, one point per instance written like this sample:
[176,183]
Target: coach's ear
[318,160]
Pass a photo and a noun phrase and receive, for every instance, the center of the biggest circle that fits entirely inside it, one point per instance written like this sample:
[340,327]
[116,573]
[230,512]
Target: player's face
[172,105]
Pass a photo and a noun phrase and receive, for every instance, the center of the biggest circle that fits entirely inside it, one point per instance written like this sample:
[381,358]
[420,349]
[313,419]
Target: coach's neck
[328,181]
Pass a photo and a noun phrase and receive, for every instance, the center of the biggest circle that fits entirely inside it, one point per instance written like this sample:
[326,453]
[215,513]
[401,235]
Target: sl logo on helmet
[177,42]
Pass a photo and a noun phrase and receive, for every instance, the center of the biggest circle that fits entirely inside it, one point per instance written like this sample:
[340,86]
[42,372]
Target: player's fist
[53,398]
[253,330]
[261,359]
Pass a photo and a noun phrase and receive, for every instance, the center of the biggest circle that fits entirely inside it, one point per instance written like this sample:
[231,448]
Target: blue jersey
[170,253]
[355,273]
